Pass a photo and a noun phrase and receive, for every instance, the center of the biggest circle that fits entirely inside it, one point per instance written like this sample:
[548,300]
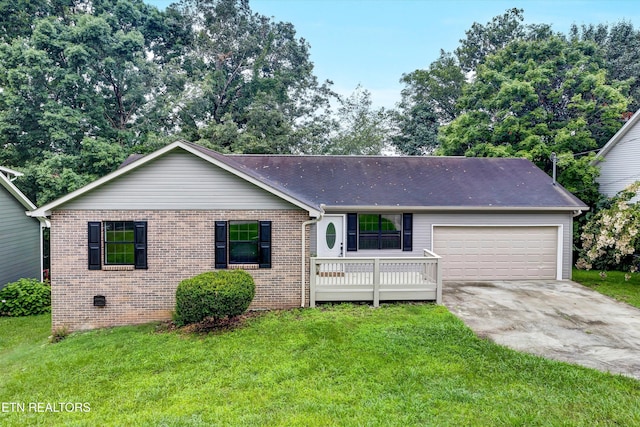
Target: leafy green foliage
[439,86]
[121,77]
[83,87]
[485,40]
[431,97]
[216,294]
[533,98]
[78,83]
[611,236]
[619,44]
[56,174]
[26,297]
[243,76]
[417,130]
[361,130]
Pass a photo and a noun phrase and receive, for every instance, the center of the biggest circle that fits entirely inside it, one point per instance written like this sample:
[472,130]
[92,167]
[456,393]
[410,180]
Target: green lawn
[612,285]
[345,365]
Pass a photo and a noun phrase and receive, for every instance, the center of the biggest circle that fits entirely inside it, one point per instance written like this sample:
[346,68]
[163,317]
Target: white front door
[330,237]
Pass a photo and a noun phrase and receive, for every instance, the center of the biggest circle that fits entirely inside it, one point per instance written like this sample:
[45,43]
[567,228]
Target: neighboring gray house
[619,159]
[307,228]
[20,235]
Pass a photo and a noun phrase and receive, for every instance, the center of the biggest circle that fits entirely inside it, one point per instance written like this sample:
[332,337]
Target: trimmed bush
[216,294]
[25,297]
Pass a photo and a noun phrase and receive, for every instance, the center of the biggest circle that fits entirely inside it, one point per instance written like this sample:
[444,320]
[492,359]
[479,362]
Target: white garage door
[497,253]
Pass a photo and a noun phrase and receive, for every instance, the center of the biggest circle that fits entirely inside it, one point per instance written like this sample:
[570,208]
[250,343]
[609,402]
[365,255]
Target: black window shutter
[407,232]
[221,244]
[265,244]
[95,261]
[140,243]
[352,232]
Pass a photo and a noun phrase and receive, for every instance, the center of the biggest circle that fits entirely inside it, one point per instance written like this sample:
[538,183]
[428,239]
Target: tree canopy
[533,98]
[105,78]
[516,89]
[438,89]
[85,83]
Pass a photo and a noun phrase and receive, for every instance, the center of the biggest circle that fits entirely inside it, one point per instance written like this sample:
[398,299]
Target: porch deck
[376,279]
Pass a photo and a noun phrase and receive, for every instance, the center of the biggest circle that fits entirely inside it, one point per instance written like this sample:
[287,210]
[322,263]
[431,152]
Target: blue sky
[374,42]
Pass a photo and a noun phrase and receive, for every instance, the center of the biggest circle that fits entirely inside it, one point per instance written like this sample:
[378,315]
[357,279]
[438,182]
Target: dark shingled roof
[132,158]
[455,182]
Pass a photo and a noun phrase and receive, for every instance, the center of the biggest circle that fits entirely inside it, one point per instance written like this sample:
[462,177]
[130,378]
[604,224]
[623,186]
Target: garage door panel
[485,253]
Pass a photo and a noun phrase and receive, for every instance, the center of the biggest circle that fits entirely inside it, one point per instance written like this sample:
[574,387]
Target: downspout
[41,252]
[44,223]
[304,241]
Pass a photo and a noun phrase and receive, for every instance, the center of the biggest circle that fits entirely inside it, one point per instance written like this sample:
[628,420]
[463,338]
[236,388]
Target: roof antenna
[554,159]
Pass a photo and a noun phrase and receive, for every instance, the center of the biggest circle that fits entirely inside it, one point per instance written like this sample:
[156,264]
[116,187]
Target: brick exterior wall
[180,245]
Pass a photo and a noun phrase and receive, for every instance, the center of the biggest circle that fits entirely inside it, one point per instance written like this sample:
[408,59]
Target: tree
[417,126]
[16,17]
[429,99]
[362,129]
[73,72]
[439,88]
[533,98]
[620,47]
[245,68]
[76,75]
[56,174]
[484,40]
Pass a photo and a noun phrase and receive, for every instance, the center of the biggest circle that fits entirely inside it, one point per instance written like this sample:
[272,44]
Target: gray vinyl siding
[313,239]
[178,180]
[423,222]
[19,241]
[621,165]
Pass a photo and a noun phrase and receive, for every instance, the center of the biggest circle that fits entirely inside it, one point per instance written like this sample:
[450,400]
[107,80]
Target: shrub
[216,294]
[611,236]
[59,334]
[25,297]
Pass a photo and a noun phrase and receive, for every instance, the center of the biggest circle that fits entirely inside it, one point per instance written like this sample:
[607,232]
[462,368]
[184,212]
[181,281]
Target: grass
[399,365]
[613,285]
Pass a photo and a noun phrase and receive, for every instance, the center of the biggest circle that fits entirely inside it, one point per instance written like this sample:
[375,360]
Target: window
[119,242]
[243,242]
[379,231]
[123,242]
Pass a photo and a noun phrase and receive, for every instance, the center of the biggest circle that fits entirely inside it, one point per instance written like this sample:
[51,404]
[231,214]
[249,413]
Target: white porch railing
[376,279]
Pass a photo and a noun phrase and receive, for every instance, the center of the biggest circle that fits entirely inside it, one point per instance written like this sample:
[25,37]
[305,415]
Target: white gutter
[304,245]
[379,208]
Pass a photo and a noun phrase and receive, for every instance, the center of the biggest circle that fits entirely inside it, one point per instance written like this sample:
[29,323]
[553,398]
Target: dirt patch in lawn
[211,325]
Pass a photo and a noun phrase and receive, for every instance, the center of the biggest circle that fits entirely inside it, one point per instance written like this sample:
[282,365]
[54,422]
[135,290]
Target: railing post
[438,280]
[312,282]
[376,282]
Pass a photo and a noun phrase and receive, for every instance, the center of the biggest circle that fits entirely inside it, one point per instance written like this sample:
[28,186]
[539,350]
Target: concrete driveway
[560,320]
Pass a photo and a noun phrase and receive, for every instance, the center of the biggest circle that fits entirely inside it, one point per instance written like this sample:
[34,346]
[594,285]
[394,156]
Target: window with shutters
[119,244]
[379,231]
[123,243]
[243,242]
